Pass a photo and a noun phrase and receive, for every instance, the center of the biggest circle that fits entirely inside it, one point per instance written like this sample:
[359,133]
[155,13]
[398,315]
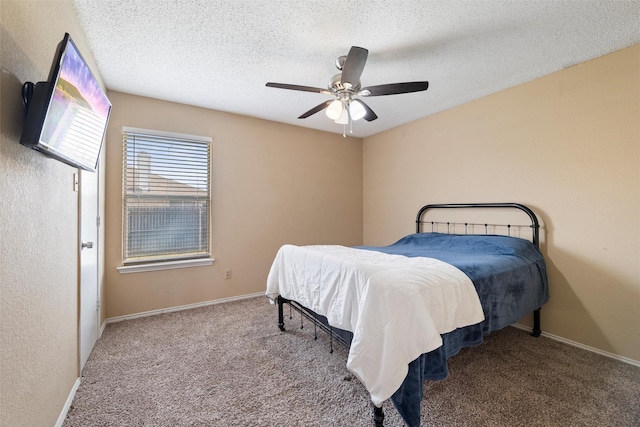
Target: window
[166,196]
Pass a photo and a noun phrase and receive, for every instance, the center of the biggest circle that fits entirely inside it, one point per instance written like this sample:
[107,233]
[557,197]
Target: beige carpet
[229,365]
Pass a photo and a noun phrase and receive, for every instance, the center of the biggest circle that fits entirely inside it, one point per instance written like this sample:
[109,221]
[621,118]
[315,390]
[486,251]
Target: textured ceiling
[220,54]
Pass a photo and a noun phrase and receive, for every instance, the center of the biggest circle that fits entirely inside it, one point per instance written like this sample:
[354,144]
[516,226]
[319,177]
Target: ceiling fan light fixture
[344,117]
[334,110]
[356,110]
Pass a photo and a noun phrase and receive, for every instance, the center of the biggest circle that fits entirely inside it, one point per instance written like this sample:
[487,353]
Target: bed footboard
[344,337]
[377,414]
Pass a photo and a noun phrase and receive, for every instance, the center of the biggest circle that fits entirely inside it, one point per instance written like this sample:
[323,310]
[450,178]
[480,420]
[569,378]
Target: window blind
[166,196]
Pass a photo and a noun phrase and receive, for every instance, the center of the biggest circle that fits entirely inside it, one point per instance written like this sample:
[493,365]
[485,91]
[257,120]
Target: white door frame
[89,235]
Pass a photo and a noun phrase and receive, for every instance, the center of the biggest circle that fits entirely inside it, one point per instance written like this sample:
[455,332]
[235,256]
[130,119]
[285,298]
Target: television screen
[67,115]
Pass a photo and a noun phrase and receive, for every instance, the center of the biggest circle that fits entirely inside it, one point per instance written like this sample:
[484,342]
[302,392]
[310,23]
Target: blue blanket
[510,277]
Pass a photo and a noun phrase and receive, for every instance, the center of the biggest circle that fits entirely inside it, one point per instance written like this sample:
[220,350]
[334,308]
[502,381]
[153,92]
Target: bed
[404,309]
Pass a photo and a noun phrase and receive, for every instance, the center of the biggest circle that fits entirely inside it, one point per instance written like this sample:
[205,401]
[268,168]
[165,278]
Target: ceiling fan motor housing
[336,86]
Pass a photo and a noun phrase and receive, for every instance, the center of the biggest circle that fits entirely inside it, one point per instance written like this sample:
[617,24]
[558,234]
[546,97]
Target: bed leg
[536,324]
[378,415]
[280,302]
[331,340]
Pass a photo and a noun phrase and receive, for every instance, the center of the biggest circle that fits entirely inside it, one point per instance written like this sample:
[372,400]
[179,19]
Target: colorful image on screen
[78,111]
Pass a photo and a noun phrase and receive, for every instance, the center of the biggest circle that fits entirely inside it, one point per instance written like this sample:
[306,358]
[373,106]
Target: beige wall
[568,145]
[38,225]
[272,184]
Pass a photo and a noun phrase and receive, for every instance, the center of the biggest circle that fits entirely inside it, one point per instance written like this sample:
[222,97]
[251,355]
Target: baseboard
[582,346]
[104,325]
[67,404]
[180,308]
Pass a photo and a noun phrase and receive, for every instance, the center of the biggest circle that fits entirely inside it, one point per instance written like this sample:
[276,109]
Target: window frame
[167,260]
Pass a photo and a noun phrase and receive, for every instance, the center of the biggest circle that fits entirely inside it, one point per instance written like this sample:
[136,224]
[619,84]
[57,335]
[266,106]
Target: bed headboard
[535,238]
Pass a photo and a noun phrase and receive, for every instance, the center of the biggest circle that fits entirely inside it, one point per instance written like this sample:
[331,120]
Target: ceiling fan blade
[394,88]
[315,109]
[353,66]
[369,115]
[299,87]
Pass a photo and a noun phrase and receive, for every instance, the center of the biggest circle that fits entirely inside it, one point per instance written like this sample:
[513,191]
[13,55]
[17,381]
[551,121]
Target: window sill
[167,265]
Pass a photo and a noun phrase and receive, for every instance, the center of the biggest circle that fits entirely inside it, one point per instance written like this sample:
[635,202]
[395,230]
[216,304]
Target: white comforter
[396,306]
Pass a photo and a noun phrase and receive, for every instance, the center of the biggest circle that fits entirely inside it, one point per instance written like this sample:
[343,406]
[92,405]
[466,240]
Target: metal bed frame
[535,231]
[378,413]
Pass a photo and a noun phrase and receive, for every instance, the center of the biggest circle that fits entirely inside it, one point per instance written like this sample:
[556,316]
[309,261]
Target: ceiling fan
[345,86]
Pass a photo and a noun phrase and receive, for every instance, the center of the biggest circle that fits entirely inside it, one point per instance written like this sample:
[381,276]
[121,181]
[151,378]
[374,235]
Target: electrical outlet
[227,273]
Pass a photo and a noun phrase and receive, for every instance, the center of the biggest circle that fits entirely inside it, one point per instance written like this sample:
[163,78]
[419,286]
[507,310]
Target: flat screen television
[66,116]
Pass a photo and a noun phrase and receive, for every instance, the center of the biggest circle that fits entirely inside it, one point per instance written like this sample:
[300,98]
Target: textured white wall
[38,230]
